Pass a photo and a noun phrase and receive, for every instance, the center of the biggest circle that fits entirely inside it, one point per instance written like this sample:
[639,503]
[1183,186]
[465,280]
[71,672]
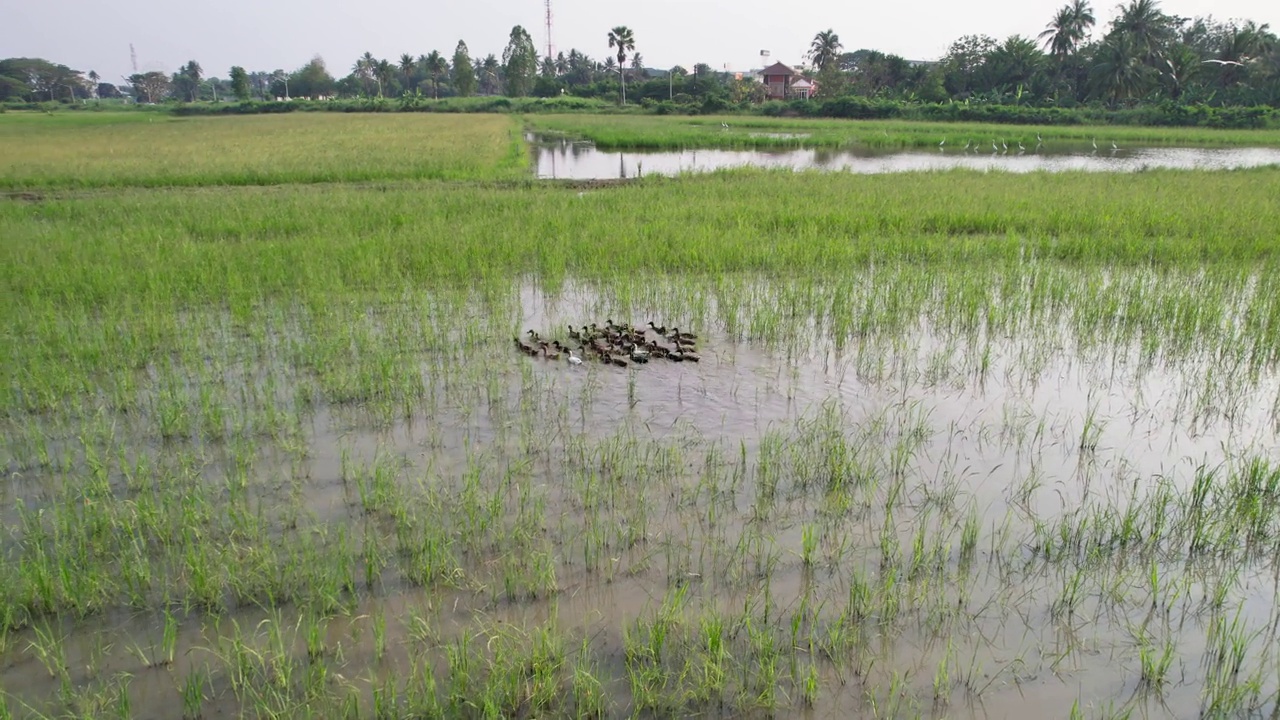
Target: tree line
[1144,56]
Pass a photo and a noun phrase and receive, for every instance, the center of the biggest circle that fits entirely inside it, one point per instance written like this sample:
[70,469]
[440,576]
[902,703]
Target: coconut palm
[384,71]
[1058,35]
[407,66]
[1015,63]
[436,66]
[825,49]
[489,74]
[1068,29]
[94,77]
[1144,26]
[1118,70]
[366,69]
[1181,65]
[624,40]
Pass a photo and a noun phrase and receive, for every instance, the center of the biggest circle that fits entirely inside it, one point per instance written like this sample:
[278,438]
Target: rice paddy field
[958,444]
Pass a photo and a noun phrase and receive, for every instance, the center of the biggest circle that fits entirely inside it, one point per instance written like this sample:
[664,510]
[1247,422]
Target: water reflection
[580,160]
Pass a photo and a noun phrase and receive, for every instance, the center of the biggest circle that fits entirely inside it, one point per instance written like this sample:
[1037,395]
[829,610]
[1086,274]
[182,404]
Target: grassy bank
[142,149]
[674,132]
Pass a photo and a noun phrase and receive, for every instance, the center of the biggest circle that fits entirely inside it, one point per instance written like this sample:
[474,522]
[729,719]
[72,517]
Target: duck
[525,348]
[660,329]
[574,334]
[571,358]
[546,352]
[691,357]
[676,334]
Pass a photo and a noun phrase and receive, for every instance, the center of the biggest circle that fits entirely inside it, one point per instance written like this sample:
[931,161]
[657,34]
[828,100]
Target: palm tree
[1181,65]
[437,66]
[1145,26]
[622,38]
[406,67]
[1118,70]
[489,74]
[94,77]
[1068,28]
[384,71]
[1059,35]
[366,69]
[1015,63]
[825,49]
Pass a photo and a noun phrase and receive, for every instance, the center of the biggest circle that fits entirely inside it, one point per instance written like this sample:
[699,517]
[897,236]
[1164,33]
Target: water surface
[580,160]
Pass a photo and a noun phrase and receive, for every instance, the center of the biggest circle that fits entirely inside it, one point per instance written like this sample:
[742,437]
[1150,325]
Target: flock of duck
[615,344]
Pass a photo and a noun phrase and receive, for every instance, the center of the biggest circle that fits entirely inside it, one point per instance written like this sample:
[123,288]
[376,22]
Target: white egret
[1222,62]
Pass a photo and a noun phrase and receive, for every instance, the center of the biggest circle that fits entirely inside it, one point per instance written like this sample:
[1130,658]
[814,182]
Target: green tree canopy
[519,63]
[464,75]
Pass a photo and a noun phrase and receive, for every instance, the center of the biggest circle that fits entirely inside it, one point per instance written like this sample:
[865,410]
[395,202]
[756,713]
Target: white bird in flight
[1223,62]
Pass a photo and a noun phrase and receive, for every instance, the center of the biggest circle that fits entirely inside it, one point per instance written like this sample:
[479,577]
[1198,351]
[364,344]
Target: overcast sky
[270,34]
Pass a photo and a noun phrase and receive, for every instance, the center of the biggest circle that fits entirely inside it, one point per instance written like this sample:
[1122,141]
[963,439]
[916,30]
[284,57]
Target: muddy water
[578,160]
[983,428]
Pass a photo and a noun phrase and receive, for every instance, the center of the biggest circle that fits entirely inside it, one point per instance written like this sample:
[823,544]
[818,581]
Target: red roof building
[780,83]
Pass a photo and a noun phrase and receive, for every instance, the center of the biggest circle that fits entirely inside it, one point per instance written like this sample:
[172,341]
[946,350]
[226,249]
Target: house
[777,79]
[802,89]
[782,83]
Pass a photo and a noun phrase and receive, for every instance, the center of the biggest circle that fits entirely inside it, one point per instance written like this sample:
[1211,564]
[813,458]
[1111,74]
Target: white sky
[270,34]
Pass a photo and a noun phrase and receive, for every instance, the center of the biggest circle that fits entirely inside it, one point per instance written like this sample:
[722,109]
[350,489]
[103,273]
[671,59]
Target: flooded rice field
[894,495]
[581,160]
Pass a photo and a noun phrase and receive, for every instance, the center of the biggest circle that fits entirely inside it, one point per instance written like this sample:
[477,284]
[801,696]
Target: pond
[579,160]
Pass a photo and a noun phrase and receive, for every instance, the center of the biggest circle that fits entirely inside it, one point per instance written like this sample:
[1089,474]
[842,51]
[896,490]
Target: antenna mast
[550,49]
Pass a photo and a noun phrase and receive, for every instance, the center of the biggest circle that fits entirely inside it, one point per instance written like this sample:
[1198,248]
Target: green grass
[142,149]
[674,132]
[268,452]
[197,246]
